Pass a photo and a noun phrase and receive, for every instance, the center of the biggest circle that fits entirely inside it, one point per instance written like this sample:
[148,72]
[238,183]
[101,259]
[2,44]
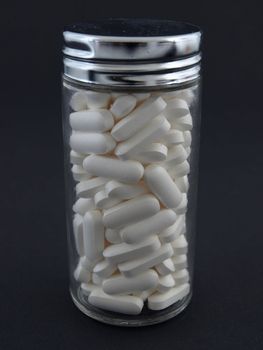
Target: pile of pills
[129,155]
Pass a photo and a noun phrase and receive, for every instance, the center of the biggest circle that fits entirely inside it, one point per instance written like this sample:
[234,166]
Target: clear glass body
[131,166]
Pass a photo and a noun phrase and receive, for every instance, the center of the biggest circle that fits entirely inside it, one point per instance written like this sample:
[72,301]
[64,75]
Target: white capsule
[180,245]
[131,124]
[90,142]
[113,236]
[116,189]
[120,284]
[176,155]
[181,277]
[180,261]
[182,208]
[97,99]
[76,158]
[78,101]
[162,185]
[128,171]
[187,138]
[104,269]
[79,174]
[173,137]
[83,205]
[180,170]
[118,253]
[154,152]
[81,274]
[87,189]
[165,267]
[165,283]
[184,123]
[174,231]
[182,183]
[125,304]
[87,288]
[176,108]
[93,233]
[134,267]
[153,225]
[123,105]
[78,234]
[131,211]
[91,120]
[96,279]
[160,301]
[187,95]
[141,96]
[103,201]
[153,131]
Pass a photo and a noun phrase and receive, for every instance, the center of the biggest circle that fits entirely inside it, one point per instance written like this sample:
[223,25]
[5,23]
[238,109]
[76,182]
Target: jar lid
[132,52]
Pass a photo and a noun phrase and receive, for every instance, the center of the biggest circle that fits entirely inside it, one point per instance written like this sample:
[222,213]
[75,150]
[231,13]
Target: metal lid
[132,52]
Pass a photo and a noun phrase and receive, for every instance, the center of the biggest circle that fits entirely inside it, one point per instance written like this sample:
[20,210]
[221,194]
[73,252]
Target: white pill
[131,124]
[173,137]
[165,283]
[93,233]
[125,304]
[87,288]
[154,152]
[76,158]
[113,236]
[174,231]
[141,96]
[88,188]
[120,284]
[160,301]
[81,274]
[83,205]
[120,190]
[153,225]
[91,120]
[181,277]
[182,183]
[78,101]
[128,171]
[187,95]
[123,105]
[180,245]
[187,138]
[180,261]
[176,155]
[188,151]
[97,99]
[78,234]
[131,211]
[89,142]
[176,108]
[103,201]
[104,269]
[180,170]
[162,185]
[153,131]
[184,123]
[118,253]
[134,267]
[87,264]
[79,173]
[96,279]
[182,208]
[144,295]
[165,267]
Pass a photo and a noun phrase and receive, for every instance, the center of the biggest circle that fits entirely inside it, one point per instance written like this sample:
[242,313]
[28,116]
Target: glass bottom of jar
[145,318]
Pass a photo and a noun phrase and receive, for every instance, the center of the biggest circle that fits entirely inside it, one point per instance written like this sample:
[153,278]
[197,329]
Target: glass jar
[131,116]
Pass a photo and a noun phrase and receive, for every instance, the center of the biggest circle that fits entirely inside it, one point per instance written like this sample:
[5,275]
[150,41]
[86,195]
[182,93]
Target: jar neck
[140,75]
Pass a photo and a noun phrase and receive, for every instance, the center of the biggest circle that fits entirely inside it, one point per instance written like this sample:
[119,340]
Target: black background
[227,307]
